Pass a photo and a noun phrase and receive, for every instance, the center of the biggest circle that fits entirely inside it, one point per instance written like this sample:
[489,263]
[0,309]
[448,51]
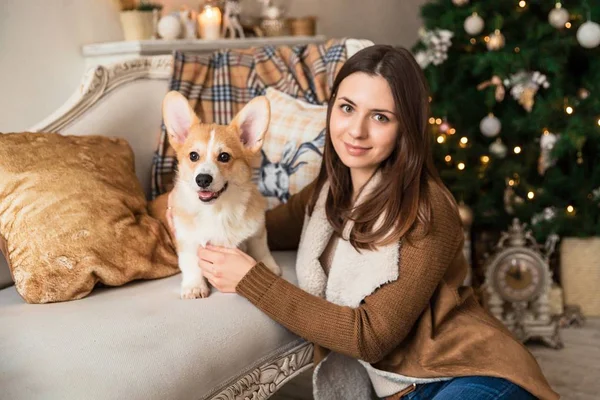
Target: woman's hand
[224,268]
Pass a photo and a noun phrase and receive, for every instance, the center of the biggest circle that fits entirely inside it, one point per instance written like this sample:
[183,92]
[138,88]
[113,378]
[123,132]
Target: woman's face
[363,123]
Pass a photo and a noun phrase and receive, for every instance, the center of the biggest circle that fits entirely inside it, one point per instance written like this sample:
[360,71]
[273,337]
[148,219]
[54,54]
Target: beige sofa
[140,341]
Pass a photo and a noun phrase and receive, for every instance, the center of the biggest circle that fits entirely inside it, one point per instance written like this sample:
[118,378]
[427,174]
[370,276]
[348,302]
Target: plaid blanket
[219,84]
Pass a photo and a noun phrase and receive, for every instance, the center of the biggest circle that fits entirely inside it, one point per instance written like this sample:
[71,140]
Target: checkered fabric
[219,84]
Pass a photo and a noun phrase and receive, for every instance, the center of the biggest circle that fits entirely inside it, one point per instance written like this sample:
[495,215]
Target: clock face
[519,276]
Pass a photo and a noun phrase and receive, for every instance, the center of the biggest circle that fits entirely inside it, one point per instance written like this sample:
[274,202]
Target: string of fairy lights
[588,35]
[445,130]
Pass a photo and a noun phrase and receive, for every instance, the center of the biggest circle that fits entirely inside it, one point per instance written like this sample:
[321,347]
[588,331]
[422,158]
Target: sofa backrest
[119,100]
[124,100]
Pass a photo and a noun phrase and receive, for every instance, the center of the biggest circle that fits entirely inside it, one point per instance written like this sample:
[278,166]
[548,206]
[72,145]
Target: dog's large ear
[252,123]
[178,117]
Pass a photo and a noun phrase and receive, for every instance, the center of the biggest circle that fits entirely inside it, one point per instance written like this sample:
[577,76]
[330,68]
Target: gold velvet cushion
[72,214]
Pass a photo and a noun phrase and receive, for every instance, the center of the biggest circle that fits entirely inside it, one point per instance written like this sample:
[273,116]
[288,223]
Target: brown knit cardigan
[423,325]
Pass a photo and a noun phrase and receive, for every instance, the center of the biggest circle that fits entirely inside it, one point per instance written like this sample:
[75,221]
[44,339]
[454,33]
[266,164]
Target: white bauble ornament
[588,35]
[498,149]
[558,17]
[474,24]
[169,27]
[496,41]
[460,3]
[272,12]
[490,126]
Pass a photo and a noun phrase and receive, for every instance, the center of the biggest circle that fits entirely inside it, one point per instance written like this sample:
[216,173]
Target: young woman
[380,261]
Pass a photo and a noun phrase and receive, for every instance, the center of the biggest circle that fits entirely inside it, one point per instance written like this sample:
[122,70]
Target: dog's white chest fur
[224,229]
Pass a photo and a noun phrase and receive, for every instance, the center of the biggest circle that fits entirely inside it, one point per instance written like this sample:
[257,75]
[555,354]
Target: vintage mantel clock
[518,281]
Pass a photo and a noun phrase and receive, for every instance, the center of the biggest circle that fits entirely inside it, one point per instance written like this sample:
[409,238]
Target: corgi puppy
[214,199]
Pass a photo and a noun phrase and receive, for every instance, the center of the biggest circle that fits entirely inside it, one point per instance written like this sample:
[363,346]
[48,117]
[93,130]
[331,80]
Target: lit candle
[209,23]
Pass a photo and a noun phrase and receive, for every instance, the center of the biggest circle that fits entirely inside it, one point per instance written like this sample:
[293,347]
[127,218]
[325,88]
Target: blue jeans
[468,388]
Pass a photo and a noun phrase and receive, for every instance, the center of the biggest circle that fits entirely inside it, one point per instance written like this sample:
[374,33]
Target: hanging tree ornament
[490,126]
[524,86]
[498,149]
[559,16]
[460,3]
[547,142]
[583,93]
[422,59]
[437,42]
[509,199]
[496,81]
[496,41]
[588,35]
[444,126]
[474,24]
[596,194]
[548,214]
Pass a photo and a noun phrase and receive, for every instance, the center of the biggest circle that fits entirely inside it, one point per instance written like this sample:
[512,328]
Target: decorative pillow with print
[292,153]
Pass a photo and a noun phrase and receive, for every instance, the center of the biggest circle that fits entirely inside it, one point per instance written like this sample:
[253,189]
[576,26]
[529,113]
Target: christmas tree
[515,100]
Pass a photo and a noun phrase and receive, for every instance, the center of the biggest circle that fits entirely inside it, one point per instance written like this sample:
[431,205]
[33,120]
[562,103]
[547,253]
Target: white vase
[137,25]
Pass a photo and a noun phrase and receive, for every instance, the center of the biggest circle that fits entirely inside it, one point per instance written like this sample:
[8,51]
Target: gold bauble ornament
[496,41]
[466,214]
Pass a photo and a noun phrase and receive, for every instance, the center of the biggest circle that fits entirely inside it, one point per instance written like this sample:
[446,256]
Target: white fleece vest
[352,277]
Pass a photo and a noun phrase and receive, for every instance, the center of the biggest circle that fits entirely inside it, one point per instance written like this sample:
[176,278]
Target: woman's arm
[284,222]
[383,320]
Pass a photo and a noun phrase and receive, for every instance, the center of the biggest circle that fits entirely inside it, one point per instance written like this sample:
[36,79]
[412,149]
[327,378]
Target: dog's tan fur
[236,218]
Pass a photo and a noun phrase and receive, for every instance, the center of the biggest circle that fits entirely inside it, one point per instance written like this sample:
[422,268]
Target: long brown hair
[401,194]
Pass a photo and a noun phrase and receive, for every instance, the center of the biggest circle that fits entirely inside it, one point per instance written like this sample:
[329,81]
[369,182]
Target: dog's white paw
[195,292]
[273,267]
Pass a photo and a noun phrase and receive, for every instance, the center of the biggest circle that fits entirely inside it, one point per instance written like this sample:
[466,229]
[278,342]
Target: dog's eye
[224,157]
[194,156]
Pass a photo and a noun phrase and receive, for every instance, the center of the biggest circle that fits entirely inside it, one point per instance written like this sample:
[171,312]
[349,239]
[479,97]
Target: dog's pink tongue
[205,195]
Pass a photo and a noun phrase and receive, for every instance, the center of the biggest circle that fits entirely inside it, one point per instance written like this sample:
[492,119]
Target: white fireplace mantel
[108,53]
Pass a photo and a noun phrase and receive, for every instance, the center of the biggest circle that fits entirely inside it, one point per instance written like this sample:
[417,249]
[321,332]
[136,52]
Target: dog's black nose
[203,180]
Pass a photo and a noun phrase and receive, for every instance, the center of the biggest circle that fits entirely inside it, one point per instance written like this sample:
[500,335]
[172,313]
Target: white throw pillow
[292,153]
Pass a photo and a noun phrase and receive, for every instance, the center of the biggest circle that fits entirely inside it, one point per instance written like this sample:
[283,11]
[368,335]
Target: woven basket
[305,26]
[275,27]
[580,273]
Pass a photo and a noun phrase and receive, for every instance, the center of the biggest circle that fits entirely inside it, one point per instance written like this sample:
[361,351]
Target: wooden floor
[574,371]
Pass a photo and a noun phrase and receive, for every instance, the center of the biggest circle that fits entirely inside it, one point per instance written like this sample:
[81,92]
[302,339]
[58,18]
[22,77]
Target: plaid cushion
[292,151]
[219,84]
